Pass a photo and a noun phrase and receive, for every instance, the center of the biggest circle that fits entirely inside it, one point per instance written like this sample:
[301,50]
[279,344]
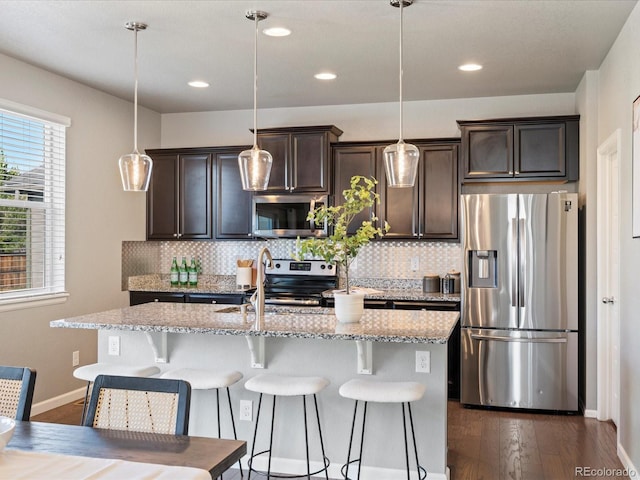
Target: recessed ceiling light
[470,67]
[277,32]
[325,76]
[198,84]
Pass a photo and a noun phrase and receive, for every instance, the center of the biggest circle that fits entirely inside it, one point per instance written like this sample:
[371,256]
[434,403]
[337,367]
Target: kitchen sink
[279,310]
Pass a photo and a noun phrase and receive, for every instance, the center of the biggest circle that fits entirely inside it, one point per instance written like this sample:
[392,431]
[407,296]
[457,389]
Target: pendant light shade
[135,167]
[255,164]
[401,159]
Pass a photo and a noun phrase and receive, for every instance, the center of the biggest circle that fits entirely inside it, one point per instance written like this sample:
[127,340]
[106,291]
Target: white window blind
[32,206]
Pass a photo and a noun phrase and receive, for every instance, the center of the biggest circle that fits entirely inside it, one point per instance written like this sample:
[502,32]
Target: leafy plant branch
[340,248]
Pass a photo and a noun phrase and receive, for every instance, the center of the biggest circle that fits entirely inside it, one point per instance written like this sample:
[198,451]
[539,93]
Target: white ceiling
[526,47]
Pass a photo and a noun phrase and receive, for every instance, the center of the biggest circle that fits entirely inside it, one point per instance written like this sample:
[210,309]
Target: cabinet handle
[213,301]
[510,172]
[249,234]
[175,235]
[517,172]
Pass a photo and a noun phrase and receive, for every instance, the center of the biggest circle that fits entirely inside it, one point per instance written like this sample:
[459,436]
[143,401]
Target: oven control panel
[303,267]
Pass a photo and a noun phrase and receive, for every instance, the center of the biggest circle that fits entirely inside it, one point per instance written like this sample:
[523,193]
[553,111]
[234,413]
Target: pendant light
[255,164]
[135,167]
[401,159]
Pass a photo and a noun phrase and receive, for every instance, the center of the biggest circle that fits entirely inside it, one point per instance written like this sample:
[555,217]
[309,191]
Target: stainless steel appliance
[292,282]
[519,340]
[285,216]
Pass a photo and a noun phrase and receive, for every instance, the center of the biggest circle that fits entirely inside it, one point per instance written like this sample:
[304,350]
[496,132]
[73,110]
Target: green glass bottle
[175,273]
[193,273]
[184,272]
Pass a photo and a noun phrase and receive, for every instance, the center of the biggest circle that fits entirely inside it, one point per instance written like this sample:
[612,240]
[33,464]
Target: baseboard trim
[55,402]
[590,413]
[299,467]
[631,470]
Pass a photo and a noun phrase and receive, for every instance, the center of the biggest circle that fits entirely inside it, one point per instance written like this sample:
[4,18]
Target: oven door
[285,216]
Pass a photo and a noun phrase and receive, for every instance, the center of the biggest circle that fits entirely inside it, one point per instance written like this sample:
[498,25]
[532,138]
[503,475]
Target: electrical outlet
[246,410]
[114,345]
[423,362]
[415,264]
[75,360]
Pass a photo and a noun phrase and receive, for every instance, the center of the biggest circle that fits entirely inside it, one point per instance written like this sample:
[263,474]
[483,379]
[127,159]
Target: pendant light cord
[255,83]
[401,2]
[135,89]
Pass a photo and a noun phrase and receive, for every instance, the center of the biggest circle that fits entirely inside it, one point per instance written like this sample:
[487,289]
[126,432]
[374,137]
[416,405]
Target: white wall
[587,107]
[619,85]
[99,216]
[425,119]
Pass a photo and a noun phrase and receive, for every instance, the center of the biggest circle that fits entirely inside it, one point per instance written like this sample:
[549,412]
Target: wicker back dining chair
[16,392]
[139,404]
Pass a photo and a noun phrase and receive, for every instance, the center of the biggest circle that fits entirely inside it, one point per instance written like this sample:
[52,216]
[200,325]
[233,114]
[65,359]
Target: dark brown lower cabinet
[136,298]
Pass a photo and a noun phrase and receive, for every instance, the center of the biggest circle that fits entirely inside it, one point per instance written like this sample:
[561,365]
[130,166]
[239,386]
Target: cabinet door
[398,206]
[221,298]
[310,165]
[162,209]
[278,145]
[487,151]
[136,298]
[540,150]
[233,204]
[439,205]
[195,196]
[347,162]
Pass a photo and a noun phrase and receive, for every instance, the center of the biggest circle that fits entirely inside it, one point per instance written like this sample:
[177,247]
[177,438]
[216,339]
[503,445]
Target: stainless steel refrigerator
[519,345]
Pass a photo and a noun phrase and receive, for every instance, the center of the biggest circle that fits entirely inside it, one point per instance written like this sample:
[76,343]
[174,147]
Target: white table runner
[19,465]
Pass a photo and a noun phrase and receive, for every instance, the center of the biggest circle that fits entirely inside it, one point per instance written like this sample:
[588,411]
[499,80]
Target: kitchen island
[297,341]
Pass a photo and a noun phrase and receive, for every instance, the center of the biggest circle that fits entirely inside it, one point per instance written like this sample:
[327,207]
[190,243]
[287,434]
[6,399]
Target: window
[32,205]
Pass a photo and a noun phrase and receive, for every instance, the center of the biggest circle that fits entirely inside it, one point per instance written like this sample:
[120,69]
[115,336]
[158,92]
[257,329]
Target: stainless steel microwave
[285,216]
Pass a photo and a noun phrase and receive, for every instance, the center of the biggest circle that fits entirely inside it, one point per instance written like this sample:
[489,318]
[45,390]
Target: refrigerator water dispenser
[483,269]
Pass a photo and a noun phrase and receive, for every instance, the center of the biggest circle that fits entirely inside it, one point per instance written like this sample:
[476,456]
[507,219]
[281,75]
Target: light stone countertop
[399,326]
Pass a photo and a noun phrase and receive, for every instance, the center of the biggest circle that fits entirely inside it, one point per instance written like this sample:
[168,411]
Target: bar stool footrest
[285,475]
[422,471]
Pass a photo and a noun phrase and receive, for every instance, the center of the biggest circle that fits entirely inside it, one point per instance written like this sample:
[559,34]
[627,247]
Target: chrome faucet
[257,299]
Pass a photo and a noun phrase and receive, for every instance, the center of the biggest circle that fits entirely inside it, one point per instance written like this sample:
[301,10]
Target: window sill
[18,303]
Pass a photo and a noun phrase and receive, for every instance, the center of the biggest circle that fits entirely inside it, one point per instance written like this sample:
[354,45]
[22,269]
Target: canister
[431,283]
[456,281]
[446,284]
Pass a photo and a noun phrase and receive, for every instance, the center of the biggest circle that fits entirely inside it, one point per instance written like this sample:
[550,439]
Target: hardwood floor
[495,445]
[492,445]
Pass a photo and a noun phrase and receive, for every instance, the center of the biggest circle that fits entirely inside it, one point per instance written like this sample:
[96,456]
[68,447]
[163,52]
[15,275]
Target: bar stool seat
[383,392]
[287,386]
[88,373]
[202,379]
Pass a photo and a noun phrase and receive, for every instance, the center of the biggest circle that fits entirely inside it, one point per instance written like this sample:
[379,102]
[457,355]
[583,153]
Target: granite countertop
[217,284]
[387,289]
[400,326]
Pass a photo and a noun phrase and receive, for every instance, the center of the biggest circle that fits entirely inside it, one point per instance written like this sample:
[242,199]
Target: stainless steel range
[292,282]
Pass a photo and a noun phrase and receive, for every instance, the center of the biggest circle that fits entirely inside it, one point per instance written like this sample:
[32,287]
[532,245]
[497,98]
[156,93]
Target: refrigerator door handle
[517,339]
[514,263]
[523,263]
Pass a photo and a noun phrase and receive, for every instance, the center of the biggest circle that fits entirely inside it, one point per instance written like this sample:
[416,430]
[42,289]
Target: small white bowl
[7,426]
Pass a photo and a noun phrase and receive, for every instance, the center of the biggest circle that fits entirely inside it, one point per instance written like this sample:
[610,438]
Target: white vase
[349,308]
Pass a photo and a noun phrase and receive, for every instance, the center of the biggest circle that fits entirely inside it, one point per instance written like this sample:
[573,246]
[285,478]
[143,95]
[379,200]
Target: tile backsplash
[381,259]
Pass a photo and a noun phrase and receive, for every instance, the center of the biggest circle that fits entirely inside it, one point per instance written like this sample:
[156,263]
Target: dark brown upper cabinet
[521,149]
[232,203]
[427,211]
[179,205]
[300,157]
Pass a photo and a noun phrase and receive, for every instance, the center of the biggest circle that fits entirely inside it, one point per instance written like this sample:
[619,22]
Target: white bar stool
[88,373]
[383,392]
[286,386]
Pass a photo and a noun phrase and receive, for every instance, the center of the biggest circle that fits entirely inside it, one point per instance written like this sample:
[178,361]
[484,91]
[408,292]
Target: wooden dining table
[210,454]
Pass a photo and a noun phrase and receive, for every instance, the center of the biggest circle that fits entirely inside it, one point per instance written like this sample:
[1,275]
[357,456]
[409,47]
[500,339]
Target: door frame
[608,277]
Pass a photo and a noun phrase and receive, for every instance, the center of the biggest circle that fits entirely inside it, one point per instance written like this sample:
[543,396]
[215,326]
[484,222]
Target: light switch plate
[415,264]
